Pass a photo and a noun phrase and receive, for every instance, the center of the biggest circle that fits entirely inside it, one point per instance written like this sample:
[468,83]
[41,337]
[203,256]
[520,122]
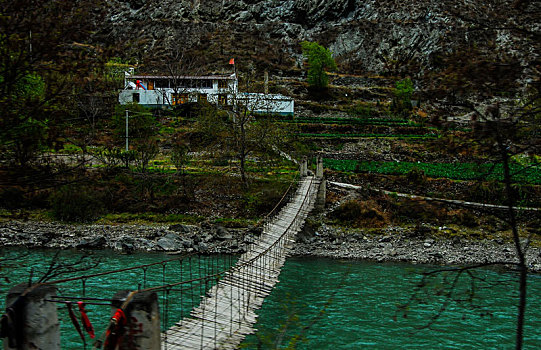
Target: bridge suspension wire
[227,312]
[252,278]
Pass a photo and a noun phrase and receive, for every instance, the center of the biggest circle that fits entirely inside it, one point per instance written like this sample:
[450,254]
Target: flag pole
[232,61]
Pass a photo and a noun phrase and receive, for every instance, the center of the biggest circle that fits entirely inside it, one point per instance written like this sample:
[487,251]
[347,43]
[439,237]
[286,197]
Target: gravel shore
[394,244]
[397,244]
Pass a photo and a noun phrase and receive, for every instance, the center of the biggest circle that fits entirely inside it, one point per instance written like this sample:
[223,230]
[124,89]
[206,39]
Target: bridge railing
[252,278]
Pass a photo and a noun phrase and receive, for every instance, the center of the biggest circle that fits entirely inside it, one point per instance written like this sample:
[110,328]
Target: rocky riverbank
[393,244]
[401,244]
[125,238]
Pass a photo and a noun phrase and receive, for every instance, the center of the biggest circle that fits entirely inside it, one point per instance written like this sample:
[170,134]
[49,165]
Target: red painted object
[86,321]
[113,336]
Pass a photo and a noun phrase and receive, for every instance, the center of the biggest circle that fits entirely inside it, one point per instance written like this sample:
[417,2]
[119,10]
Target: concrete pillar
[143,321]
[321,197]
[34,321]
[266,82]
[304,167]
[319,167]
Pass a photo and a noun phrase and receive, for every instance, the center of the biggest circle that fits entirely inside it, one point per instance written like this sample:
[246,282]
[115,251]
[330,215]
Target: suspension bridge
[227,313]
[217,303]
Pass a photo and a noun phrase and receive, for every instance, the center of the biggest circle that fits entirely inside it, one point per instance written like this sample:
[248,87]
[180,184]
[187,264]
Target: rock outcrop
[368,35]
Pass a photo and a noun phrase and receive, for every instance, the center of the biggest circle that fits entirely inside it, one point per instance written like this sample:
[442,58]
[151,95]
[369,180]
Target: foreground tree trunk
[522,267]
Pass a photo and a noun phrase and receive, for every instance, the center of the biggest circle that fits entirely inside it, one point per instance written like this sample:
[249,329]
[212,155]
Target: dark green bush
[221,161]
[361,111]
[416,176]
[356,213]
[76,204]
[12,197]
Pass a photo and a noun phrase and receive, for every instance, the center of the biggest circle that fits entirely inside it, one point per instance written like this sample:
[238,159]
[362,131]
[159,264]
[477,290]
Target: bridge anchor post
[32,319]
[143,320]
[321,196]
[319,167]
[304,167]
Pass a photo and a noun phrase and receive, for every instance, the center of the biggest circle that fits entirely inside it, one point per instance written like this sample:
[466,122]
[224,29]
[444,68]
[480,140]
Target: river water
[329,304]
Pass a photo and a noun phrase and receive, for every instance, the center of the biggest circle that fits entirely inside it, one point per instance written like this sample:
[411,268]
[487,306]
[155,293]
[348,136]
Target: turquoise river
[328,304]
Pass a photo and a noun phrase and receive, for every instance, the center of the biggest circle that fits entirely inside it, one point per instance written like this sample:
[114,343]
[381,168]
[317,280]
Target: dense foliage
[354,135]
[403,93]
[353,121]
[319,60]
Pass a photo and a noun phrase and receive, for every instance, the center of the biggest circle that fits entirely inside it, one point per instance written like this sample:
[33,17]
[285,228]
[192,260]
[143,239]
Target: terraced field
[455,171]
[350,127]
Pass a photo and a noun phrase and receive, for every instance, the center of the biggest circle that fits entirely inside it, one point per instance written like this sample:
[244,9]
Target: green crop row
[457,171]
[353,121]
[398,136]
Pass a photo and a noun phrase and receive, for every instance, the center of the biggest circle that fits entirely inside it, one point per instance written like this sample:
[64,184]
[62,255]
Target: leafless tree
[58,268]
[507,129]
[249,133]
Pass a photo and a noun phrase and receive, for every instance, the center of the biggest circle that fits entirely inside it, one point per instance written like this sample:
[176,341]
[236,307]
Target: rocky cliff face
[368,35]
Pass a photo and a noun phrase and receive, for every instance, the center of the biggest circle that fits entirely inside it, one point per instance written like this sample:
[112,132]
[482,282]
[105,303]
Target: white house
[157,91]
[166,91]
[259,103]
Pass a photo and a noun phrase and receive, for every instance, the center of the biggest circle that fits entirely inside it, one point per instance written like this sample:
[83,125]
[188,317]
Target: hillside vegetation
[431,98]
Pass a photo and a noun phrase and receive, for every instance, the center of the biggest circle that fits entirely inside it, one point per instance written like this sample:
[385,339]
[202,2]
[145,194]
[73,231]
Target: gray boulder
[170,242]
[222,233]
[92,243]
[180,228]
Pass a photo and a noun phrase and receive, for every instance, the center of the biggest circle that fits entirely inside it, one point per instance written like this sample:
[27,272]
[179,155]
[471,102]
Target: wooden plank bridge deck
[227,311]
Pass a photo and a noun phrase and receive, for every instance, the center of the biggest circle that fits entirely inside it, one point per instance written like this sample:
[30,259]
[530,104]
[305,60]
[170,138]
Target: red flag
[232,61]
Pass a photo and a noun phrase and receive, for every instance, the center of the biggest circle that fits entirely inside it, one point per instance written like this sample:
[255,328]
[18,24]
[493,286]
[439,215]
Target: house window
[206,84]
[161,83]
[135,97]
[222,84]
[202,98]
[180,98]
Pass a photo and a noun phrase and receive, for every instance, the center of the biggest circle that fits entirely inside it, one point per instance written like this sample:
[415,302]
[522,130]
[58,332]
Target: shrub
[222,161]
[416,176]
[487,192]
[264,200]
[416,210]
[464,217]
[361,111]
[76,204]
[12,197]
[113,157]
[361,214]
